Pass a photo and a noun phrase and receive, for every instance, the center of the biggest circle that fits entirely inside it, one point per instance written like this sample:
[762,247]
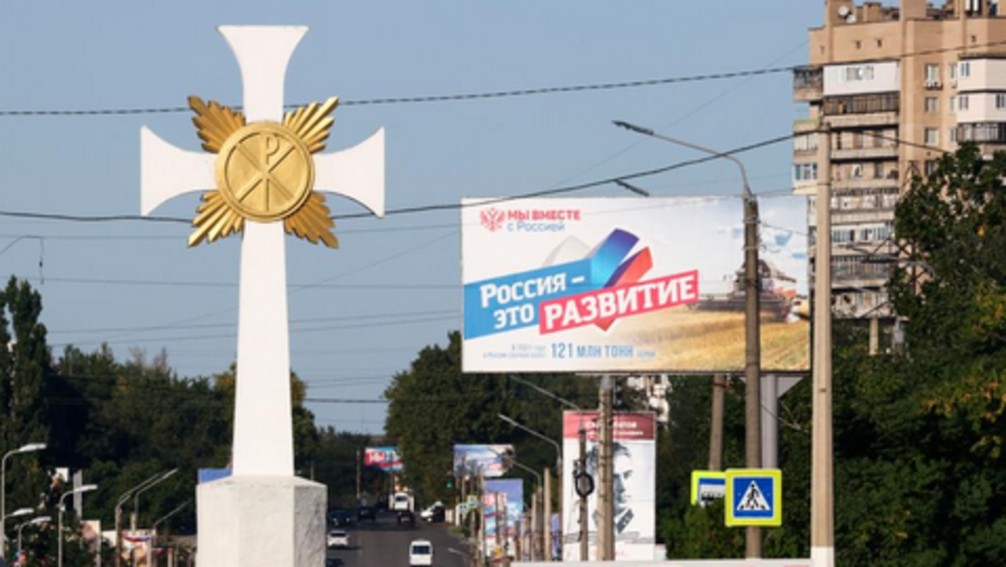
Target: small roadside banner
[708,486]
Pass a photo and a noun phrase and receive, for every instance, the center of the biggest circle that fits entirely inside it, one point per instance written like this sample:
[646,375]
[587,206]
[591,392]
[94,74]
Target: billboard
[511,499]
[469,459]
[635,458]
[645,285]
[384,458]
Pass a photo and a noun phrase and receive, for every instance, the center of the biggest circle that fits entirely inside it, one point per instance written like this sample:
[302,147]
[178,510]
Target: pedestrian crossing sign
[754,497]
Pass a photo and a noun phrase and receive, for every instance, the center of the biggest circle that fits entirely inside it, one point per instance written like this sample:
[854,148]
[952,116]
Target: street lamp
[543,437]
[29,448]
[752,334]
[134,520]
[153,529]
[62,499]
[32,522]
[118,510]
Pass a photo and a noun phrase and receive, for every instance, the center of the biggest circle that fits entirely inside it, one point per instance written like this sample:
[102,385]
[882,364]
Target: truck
[402,502]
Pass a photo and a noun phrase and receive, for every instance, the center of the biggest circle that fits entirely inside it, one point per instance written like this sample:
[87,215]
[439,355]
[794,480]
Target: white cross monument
[262,516]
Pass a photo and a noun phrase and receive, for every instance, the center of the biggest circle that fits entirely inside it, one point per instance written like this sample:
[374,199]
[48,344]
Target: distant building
[929,76]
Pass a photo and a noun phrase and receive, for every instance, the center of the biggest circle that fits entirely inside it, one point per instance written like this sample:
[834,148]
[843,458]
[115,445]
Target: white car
[429,513]
[421,552]
[338,538]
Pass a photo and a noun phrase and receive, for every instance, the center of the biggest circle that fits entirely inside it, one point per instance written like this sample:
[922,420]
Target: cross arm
[356,172]
[166,171]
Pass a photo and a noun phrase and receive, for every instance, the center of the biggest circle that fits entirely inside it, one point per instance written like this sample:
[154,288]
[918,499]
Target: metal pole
[606,496]
[59,536]
[822,511]
[716,429]
[359,476]
[874,335]
[752,365]
[547,539]
[584,527]
[118,535]
[770,422]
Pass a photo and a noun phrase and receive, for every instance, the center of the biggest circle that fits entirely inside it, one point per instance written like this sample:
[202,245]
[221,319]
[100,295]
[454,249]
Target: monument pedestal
[261,521]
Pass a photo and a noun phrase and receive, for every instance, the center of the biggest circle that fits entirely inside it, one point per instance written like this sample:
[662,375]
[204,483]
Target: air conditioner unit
[953,83]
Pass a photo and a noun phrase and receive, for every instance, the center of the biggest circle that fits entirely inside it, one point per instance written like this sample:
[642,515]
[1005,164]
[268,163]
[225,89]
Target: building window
[878,170]
[965,68]
[880,43]
[859,44]
[805,172]
[932,105]
[953,135]
[952,70]
[930,166]
[932,73]
[1000,101]
[932,137]
[963,102]
[805,143]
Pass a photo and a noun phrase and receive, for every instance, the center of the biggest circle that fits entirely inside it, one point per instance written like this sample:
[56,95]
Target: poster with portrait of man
[634,484]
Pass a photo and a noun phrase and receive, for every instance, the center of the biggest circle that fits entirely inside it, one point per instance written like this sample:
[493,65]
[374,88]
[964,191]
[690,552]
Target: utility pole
[359,476]
[752,312]
[716,429]
[605,496]
[752,355]
[547,539]
[584,525]
[822,509]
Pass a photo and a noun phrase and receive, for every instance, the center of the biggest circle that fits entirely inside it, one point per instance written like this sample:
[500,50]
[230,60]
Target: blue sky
[394,286]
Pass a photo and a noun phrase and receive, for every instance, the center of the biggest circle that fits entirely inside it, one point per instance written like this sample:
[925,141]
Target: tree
[25,367]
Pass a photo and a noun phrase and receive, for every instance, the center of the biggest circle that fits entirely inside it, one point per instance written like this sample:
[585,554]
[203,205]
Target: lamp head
[30,447]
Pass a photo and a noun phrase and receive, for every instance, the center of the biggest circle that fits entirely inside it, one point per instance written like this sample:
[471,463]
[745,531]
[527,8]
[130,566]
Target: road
[384,544]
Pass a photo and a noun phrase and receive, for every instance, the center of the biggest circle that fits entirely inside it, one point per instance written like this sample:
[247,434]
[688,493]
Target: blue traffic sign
[754,497]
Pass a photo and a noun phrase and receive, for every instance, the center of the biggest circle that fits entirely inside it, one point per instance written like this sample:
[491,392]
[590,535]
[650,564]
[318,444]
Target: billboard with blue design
[629,285]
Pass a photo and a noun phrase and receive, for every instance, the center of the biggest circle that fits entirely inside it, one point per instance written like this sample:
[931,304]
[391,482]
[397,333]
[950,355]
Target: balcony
[839,122]
[862,104]
[983,133]
[808,84]
[865,183]
[886,152]
[806,125]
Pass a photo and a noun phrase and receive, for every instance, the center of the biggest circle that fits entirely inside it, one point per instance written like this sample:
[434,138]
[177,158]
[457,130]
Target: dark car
[334,562]
[366,513]
[340,518]
[406,518]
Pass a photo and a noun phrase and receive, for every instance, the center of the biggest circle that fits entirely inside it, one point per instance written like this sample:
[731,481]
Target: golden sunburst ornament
[264,172]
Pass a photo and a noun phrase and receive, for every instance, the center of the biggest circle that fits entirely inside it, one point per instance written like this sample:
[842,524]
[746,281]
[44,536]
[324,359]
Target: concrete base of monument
[261,521]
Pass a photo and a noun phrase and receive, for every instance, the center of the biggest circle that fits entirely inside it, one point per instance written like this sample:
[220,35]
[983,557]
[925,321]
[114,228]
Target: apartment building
[896,84]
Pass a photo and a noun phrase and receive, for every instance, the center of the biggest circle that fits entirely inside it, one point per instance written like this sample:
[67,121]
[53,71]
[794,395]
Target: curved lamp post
[29,448]
[122,500]
[134,520]
[62,499]
[32,522]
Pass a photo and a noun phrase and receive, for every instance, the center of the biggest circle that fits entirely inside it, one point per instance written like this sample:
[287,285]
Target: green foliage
[434,406]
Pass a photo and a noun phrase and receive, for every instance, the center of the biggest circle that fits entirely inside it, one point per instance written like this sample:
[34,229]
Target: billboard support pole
[822,512]
[716,429]
[359,476]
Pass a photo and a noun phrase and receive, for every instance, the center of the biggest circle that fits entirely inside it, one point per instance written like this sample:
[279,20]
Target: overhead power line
[458,97]
[455,97]
[425,208]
